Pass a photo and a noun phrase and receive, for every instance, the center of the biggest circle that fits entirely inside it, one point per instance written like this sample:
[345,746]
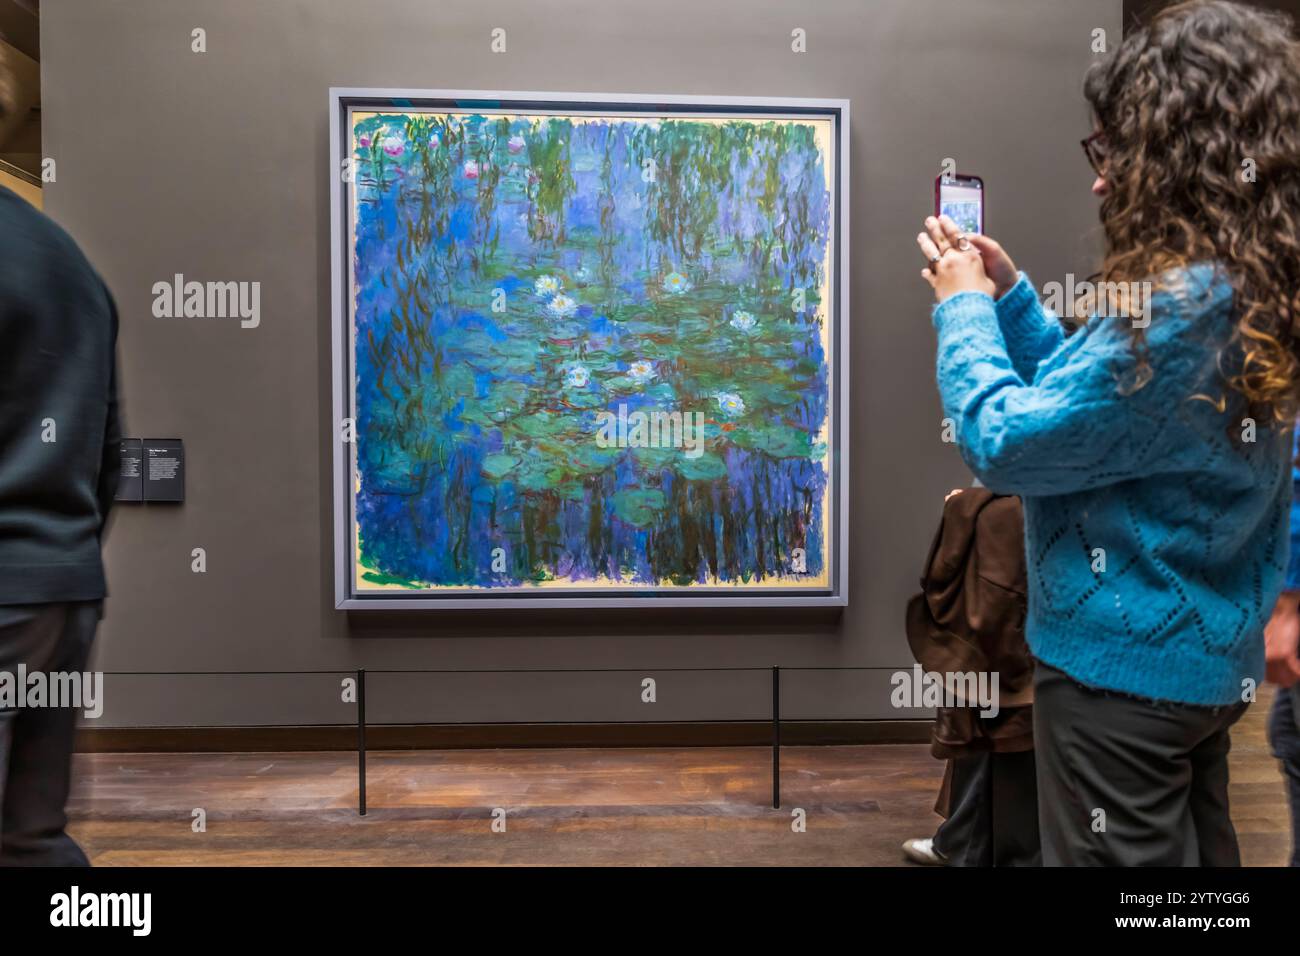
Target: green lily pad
[707,467]
[777,440]
[638,506]
[499,465]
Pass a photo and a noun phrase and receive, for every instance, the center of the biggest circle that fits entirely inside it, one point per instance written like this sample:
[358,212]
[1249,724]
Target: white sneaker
[923,852]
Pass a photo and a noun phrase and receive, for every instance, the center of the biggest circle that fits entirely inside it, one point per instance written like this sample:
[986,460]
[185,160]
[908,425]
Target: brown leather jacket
[970,617]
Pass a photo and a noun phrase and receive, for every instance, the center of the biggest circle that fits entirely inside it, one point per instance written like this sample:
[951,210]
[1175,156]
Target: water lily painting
[590,353]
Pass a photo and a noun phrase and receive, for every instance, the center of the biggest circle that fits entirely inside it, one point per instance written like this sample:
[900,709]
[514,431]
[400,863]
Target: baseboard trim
[494,736]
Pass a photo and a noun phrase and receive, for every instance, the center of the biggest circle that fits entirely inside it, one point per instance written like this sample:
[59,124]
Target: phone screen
[961,198]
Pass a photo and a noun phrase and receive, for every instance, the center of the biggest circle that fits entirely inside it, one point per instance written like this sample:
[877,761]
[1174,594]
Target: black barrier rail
[361,724]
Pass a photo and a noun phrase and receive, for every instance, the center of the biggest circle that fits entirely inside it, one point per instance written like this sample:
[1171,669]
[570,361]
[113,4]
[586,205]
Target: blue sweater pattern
[1156,512]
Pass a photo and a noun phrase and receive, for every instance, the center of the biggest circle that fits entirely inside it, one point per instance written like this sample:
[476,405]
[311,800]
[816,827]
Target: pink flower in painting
[365,142]
[515,144]
[471,170]
[434,141]
[393,147]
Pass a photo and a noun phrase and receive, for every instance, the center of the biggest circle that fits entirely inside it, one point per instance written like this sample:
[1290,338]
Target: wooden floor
[700,806]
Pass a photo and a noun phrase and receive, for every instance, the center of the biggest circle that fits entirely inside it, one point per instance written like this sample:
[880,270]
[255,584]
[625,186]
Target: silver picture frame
[342,101]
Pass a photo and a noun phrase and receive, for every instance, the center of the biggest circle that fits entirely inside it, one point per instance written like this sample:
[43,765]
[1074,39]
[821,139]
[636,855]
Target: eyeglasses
[1094,147]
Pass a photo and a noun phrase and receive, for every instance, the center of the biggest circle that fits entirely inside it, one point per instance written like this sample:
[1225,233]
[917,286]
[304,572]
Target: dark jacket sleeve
[111,463]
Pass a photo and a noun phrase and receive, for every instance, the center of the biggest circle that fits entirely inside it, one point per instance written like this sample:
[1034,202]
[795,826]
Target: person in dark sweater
[59,462]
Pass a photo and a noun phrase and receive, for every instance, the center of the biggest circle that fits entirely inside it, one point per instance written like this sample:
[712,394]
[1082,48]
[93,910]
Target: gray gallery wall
[215,165]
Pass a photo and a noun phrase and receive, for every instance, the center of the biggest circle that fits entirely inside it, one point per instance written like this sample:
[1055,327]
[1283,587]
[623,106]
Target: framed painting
[589,349]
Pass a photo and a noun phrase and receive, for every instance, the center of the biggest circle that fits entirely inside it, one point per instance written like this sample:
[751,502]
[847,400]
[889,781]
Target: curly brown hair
[1188,106]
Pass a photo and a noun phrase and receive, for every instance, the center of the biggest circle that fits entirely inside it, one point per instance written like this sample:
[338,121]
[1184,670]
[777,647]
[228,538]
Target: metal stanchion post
[361,740]
[776,737]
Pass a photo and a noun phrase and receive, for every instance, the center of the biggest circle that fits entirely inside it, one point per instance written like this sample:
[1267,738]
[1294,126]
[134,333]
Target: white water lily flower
[562,306]
[577,376]
[731,403]
[743,321]
[675,282]
[641,371]
[546,286]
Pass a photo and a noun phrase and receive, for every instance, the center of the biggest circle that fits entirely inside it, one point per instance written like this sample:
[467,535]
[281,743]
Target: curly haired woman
[1151,446]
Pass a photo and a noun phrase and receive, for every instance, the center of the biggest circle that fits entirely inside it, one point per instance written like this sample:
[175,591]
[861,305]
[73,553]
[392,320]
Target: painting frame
[343,101]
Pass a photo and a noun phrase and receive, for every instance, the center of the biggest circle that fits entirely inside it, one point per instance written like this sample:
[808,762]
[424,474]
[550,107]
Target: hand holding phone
[997,265]
[961,198]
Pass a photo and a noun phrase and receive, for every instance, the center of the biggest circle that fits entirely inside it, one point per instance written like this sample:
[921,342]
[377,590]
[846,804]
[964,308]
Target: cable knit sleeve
[1030,331]
[1089,418]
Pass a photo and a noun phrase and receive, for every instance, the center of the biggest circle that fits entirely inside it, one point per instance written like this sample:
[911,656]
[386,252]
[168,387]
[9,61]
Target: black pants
[1130,782]
[1284,738]
[36,742]
[992,812]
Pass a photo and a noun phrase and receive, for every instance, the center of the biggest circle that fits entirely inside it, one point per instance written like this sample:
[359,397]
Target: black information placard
[164,469]
[130,484]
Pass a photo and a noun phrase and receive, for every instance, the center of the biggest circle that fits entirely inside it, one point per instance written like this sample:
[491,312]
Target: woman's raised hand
[955,263]
[997,264]
[943,236]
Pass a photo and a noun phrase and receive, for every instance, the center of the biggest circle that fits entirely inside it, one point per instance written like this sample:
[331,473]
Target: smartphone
[961,198]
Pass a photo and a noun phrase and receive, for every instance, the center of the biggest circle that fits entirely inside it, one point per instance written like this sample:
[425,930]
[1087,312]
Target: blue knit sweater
[1156,536]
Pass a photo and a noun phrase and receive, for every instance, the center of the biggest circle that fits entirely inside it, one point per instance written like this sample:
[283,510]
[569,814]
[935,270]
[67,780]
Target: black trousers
[992,813]
[36,742]
[1129,782]
[1284,738]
